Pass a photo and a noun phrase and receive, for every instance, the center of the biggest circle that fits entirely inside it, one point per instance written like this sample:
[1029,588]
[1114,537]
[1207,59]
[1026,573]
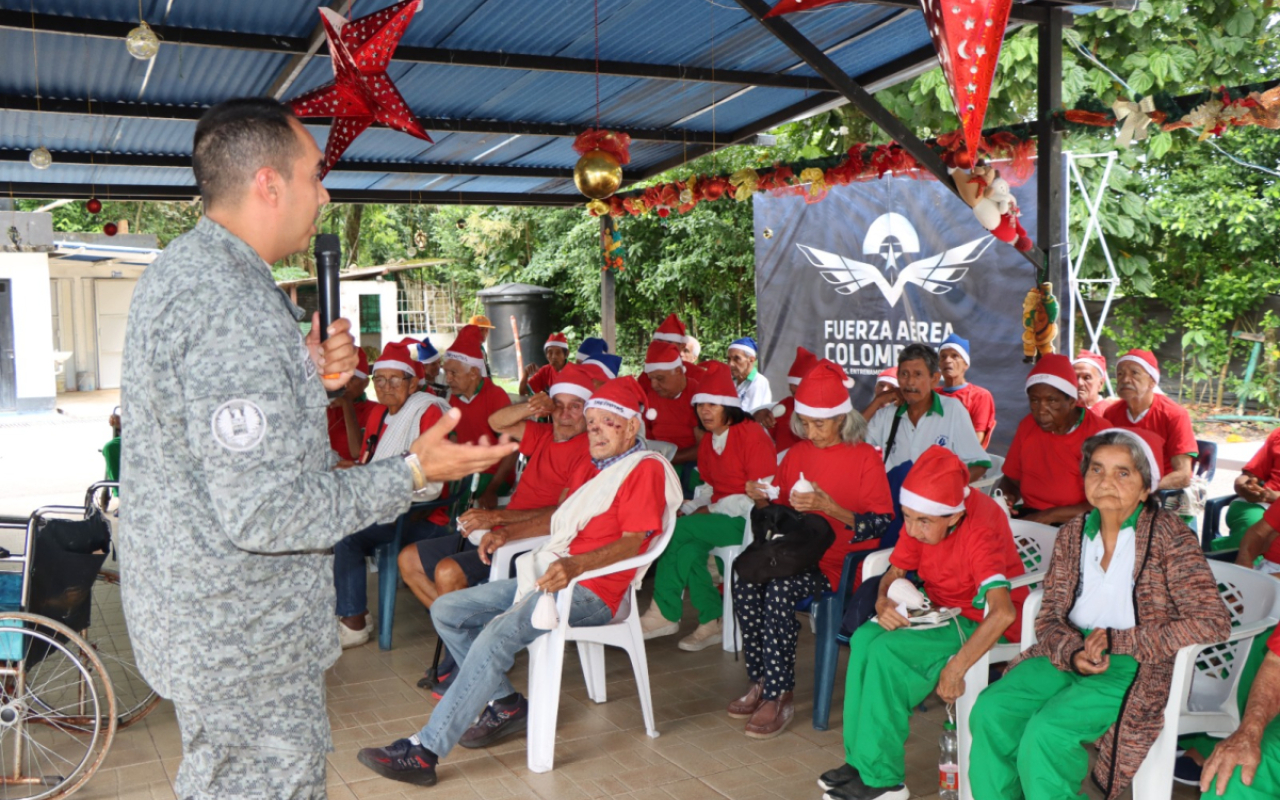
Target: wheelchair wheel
[110,642]
[57,714]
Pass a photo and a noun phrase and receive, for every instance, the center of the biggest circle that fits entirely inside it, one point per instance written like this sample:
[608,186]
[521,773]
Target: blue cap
[592,347]
[426,352]
[956,343]
[748,344]
[613,362]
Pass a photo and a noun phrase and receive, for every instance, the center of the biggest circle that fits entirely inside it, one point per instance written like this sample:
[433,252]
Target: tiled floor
[601,750]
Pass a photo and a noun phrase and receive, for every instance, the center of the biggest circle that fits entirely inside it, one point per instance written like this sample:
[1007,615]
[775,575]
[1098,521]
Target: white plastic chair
[728,623]
[1206,677]
[500,561]
[987,483]
[546,657]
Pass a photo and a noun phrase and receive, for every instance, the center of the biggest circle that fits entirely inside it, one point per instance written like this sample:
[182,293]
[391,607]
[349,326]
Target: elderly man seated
[958,541]
[429,369]
[953,361]
[477,398]
[668,395]
[617,502]
[554,450]
[406,415]
[1143,408]
[753,388]
[1042,480]
[1246,765]
[1091,379]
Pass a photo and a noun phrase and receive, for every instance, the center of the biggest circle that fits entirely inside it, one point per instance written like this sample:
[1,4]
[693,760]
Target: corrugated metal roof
[76,68]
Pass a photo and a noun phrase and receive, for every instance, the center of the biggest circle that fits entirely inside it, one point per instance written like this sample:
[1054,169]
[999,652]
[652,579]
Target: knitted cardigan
[1176,603]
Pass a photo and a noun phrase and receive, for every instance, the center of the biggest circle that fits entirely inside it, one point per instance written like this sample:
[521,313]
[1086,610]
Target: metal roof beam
[78,191]
[304,48]
[1021,12]
[315,41]
[435,125]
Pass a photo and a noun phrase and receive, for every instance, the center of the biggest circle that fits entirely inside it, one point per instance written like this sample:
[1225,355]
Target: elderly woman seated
[1042,481]
[736,451]
[838,476]
[960,545]
[1127,587]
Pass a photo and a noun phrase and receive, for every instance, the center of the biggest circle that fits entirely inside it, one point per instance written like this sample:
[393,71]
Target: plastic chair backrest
[1207,461]
[1034,542]
[876,564]
[1249,597]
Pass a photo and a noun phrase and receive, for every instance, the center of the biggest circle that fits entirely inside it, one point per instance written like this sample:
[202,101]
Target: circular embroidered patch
[239,425]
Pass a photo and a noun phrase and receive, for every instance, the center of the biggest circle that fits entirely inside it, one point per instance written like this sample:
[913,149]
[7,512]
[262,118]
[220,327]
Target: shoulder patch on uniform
[239,425]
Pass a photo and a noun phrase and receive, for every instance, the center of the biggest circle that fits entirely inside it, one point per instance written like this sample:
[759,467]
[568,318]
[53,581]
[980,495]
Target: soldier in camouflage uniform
[230,503]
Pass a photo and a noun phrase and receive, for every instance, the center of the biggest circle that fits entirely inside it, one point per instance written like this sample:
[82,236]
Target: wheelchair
[67,676]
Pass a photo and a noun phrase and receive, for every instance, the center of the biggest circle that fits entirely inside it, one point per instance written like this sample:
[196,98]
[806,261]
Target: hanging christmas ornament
[598,174]
[419,240]
[142,42]
[767,233]
[40,158]
[967,35]
[411,252]
[93,205]
[110,229]
[462,223]
[361,92]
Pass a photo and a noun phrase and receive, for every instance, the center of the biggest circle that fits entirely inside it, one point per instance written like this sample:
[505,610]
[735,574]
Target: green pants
[890,673]
[684,565]
[1241,514]
[1030,729]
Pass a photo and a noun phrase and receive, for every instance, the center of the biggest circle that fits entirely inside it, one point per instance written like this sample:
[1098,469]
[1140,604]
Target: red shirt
[748,456]
[1272,517]
[541,380]
[676,420]
[782,436]
[476,412]
[980,405]
[637,506]
[1273,643]
[338,427]
[1047,465]
[980,550]
[1100,407]
[1265,464]
[377,423]
[551,465]
[1165,418]
[853,475]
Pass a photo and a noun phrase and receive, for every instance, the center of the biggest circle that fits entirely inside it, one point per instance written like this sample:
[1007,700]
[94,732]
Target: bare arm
[1180,476]
[566,569]
[1242,748]
[1256,540]
[976,472]
[1011,490]
[506,468]
[538,524]
[1000,615]
[880,401]
[509,420]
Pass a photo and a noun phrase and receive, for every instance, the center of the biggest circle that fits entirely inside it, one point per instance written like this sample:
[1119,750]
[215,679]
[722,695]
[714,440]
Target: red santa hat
[1145,359]
[1054,370]
[1150,443]
[396,355]
[671,330]
[937,484]
[824,392]
[1095,360]
[362,363]
[466,348]
[574,380]
[889,375]
[662,355]
[598,370]
[557,340]
[717,386]
[800,367]
[621,396]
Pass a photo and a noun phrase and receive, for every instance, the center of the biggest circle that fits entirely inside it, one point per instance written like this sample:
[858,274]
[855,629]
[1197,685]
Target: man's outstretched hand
[444,460]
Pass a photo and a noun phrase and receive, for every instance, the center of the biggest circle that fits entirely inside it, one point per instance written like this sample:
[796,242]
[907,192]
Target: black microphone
[328,258]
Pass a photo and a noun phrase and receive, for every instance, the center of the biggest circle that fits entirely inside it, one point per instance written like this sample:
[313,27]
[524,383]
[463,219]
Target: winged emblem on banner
[891,237]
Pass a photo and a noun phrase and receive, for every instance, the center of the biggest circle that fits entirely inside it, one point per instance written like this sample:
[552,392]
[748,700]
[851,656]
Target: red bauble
[94,205]
[962,160]
[110,229]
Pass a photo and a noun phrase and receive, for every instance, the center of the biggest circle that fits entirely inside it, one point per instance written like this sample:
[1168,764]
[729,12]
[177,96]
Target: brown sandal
[771,718]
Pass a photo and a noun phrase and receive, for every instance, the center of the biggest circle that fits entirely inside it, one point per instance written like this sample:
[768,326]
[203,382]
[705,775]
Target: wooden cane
[515,339]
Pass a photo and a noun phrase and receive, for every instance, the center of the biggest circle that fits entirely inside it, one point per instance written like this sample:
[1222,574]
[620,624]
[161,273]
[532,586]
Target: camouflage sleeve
[256,429]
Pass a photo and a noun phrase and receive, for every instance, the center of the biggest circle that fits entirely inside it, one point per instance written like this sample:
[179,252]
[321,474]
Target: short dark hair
[919,352]
[732,415]
[235,139]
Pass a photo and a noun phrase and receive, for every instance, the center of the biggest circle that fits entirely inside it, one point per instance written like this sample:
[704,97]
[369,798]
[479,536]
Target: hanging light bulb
[142,42]
[40,158]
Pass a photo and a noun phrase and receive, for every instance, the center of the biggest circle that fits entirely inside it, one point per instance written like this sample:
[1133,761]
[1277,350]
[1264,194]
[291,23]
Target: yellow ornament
[816,178]
[598,207]
[597,174]
[744,183]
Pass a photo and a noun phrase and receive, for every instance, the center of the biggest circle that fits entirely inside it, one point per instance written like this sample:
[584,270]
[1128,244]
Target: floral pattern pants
[767,617]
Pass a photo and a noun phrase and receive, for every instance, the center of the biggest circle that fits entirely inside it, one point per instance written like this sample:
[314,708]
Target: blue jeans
[351,578]
[483,631]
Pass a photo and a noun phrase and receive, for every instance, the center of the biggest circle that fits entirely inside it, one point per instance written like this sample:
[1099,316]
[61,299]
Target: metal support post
[1051,208]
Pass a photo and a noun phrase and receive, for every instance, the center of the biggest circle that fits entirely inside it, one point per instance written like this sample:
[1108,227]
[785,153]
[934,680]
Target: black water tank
[531,306]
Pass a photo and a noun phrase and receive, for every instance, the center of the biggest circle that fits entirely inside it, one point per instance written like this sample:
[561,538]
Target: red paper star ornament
[967,35]
[361,92]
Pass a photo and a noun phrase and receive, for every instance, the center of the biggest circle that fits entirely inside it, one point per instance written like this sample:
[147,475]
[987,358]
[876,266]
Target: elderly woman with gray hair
[836,475]
[1127,587]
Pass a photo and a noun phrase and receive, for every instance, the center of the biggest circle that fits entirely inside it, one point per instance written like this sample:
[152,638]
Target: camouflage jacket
[229,500]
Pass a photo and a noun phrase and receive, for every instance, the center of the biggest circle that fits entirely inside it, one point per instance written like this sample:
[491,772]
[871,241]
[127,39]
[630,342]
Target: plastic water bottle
[948,764]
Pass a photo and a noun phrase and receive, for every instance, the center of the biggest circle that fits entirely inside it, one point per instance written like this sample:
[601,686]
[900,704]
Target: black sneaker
[1186,771]
[497,722]
[404,760]
[839,776]
[442,685]
[860,791]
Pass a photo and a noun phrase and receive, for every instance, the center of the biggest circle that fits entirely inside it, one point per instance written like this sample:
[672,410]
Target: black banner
[875,266]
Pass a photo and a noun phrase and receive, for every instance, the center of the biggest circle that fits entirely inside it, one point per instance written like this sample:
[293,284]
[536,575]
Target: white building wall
[32,329]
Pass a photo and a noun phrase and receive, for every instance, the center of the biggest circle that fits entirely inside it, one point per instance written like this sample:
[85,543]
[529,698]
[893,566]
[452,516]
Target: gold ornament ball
[40,158]
[768,233]
[142,42]
[597,174]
